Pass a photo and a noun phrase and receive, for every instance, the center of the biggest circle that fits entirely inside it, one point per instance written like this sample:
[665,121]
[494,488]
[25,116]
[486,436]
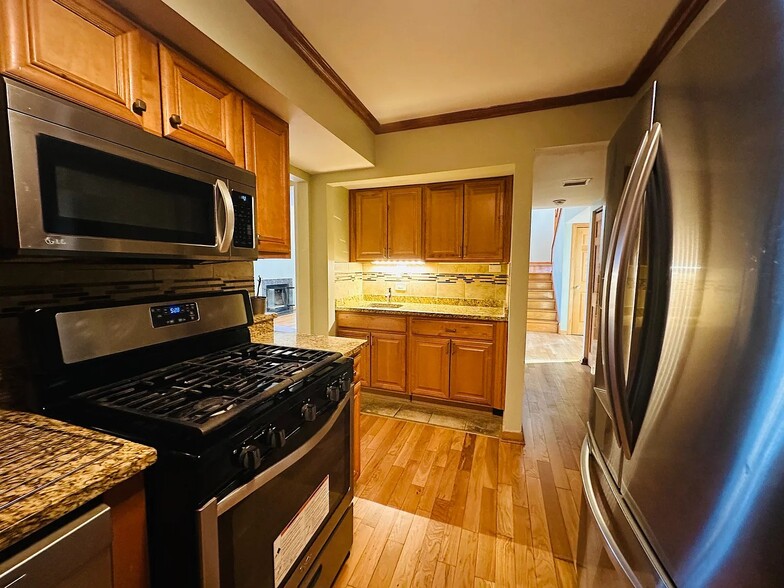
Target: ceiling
[408,58]
[554,165]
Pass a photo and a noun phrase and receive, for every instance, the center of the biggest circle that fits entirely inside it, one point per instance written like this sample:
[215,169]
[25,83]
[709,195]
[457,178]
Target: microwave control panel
[174,314]
[244,235]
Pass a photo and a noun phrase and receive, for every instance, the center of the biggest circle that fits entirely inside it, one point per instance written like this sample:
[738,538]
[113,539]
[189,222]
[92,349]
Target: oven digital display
[174,314]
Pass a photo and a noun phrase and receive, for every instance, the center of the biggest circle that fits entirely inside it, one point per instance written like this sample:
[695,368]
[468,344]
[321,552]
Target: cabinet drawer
[371,322]
[463,329]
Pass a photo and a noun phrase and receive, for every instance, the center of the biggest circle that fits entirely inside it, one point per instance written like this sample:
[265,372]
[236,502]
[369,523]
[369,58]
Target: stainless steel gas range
[253,484]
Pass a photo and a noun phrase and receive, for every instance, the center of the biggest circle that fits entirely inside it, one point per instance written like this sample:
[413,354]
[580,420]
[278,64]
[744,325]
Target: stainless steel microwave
[77,183]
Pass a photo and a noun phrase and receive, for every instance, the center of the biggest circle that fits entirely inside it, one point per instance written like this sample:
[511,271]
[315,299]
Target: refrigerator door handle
[613,548]
[619,263]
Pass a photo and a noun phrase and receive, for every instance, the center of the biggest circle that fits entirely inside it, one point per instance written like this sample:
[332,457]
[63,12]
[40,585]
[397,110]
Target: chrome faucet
[389,295]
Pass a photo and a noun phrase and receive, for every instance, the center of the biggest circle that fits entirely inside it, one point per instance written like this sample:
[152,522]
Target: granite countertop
[49,468]
[342,345]
[489,313]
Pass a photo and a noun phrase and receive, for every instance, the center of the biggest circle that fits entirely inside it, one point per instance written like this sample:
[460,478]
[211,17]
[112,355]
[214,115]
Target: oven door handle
[224,240]
[209,513]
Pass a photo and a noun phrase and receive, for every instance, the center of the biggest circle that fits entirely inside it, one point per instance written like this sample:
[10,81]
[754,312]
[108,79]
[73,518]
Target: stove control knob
[333,391]
[309,412]
[274,437]
[249,457]
[345,382]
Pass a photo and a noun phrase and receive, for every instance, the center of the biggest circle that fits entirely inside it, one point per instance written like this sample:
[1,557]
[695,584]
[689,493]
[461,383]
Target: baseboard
[513,437]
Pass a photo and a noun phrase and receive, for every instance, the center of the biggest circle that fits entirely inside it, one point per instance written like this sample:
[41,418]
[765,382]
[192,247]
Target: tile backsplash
[446,283]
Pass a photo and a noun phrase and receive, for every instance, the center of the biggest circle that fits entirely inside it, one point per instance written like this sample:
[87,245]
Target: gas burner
[210,407]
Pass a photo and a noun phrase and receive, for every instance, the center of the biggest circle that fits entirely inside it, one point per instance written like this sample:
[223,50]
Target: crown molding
[674,28]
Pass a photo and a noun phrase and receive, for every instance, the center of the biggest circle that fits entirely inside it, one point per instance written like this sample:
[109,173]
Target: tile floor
[461,419]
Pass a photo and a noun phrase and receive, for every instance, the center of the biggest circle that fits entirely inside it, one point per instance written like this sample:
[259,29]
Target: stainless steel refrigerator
[683,463]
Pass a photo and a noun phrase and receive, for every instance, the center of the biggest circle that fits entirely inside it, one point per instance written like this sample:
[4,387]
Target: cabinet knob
[175,120]
[139,106]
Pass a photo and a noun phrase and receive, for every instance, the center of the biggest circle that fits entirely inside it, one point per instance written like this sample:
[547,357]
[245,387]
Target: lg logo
[54,241]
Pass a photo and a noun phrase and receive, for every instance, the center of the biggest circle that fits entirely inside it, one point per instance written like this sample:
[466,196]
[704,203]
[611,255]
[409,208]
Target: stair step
[544,315]
[541,304]
[539,277]
[541,294]
[542,326]
[540,285]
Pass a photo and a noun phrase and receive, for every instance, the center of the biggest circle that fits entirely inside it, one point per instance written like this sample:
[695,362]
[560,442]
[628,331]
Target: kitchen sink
[384,305]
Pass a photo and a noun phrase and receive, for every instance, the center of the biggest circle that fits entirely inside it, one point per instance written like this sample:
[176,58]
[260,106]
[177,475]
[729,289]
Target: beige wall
[447,150]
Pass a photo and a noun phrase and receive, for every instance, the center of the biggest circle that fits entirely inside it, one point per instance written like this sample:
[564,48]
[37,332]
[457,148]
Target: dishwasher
[73,555]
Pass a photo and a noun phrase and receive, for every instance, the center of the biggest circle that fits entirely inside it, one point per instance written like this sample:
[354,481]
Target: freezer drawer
[610,551]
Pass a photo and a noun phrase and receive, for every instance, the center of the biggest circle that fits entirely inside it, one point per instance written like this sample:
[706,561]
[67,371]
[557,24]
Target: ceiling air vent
[576,182]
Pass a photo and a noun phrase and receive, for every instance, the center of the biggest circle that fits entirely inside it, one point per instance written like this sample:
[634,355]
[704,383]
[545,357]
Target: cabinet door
[471,369]
[429,366]
[363,359]
[368,225]
[85,52]
[486,220]
[443,222]
[404,223]
[267,155]
[199,109]
[388,361]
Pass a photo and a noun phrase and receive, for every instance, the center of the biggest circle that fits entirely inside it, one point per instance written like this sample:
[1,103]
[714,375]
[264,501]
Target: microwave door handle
[621,254]
[610,294]
[224,240]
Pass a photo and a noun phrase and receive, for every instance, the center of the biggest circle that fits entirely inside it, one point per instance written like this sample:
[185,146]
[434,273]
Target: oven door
[78,192]
[257,535]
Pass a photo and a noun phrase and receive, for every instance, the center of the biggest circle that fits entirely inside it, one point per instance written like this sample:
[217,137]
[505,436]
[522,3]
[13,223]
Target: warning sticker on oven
[295,537]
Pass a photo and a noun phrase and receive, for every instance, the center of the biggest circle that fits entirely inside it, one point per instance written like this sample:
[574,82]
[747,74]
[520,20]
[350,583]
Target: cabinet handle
[451,330]
[175,120]
[139,106]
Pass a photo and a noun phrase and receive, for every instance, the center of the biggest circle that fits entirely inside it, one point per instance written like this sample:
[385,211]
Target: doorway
[591,342]
[578,278]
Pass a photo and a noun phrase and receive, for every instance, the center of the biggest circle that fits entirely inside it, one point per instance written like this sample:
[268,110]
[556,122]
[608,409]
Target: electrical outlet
[494,268]
[400,287]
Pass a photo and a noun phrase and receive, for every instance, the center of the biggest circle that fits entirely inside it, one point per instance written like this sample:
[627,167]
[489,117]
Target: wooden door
[388,361]
[428,366]
[578,277]
[86,52]
[471,371]
[199,109]
[404,223]
[363,359]
[267,156]
[591,341]
[485,220]
[443,209]
[368,225]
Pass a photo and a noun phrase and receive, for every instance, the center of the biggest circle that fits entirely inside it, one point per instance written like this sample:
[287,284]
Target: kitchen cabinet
[356,430]
[388,361]
[486,220]
[86,52]
[429,366]
[267,155]
[443,204]
[386,224]
[454,360]
[368,222]
[471,371]
[362,361]
[199,109]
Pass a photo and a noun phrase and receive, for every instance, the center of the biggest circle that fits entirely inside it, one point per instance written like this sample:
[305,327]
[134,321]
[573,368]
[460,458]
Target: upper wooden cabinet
[444,222]
[487,216]
[386,224]
[404,223]
[267,155]
[85,52]
[368,222]
[199,109]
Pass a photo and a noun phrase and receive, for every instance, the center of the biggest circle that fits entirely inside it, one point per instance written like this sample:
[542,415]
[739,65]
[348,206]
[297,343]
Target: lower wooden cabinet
[460,360]
[388,361]
[471,371]
[429,366]
[356,411]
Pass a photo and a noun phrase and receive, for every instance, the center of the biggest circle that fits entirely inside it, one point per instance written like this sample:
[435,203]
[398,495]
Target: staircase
[542,314]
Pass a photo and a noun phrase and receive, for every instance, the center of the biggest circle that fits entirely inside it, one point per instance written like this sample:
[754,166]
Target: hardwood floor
[552,347]
[440,507]
[286,323]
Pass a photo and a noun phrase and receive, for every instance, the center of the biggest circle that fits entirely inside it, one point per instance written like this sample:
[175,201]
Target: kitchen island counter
[348,347]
